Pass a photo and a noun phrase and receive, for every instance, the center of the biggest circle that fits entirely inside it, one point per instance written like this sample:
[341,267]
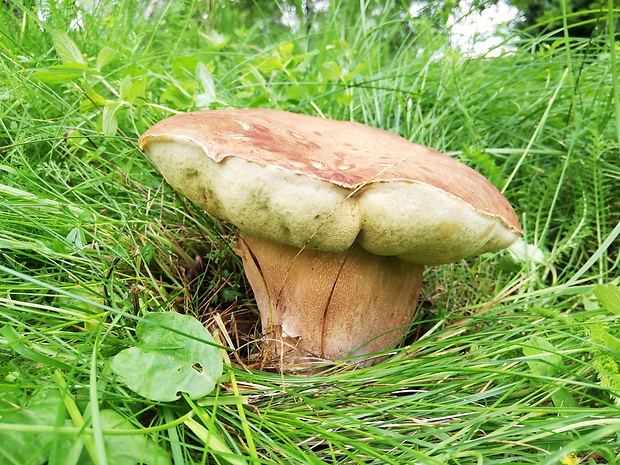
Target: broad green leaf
[218,41]
[299,93]
[132,448]
[547,361]
[177,95]
[522,252]
[600,336]
[105,56]
[76,238]
[344,99]
[358,69]
[93,95]
[184,65]
[207,97]
[136,90]
[330,71]
[609,297]
[60,74]
[124,87]
[109,124]
[270,64]
[286,49]
[563,399]
[612,343]
[167,361]
[82,306]
[66,48]
[27,443]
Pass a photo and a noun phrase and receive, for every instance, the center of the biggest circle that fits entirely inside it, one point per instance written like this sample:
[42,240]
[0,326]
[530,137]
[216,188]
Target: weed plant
[515,359]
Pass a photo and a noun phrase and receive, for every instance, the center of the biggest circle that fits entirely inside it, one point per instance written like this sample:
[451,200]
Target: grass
[516,360]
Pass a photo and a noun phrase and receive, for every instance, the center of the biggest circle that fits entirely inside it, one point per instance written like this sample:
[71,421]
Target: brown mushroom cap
[323,184]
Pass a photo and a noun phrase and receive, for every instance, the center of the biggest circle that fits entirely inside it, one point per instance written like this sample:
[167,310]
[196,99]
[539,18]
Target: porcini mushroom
[337,220]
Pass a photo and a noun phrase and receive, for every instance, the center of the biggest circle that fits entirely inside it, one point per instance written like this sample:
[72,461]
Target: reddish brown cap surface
[344,153]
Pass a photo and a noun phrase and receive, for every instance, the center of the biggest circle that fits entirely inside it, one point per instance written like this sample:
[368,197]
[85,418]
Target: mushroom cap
[323,184]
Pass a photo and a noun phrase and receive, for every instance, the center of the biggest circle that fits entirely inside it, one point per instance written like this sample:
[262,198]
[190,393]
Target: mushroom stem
[318,306]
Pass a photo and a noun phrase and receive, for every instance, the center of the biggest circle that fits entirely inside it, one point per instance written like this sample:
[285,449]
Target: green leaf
[178,96]
[286,49]
[270,64]
[522,252]
[601,337]
[208,96]
[129,449]
[214,442]
[66,48]
[124,87]
[358,69]
[136,90]
[94,98]
[28,444]
[76,238]
[344,99]
[15,341]
[109,123]
[563,399]
[167,361]
[330,71]
[296,93]
[218,41]
[486,164]
[60,74]
[609,297]
[547,361]
[105,56]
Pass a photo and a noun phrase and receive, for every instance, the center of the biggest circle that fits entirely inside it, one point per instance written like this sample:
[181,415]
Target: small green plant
[174,354]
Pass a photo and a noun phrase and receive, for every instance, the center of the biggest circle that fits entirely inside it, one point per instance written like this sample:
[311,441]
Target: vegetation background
[516,357]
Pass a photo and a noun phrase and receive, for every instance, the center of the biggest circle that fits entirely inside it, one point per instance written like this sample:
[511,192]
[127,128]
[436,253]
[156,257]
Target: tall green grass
[516,360]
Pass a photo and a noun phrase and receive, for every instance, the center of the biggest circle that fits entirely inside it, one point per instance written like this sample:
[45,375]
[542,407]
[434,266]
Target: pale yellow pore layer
[412,220]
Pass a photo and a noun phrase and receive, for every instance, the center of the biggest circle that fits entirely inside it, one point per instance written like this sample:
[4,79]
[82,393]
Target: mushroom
[336,220]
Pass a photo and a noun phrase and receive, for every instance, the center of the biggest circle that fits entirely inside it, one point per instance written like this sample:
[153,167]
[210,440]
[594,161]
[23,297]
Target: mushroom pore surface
[408,218]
